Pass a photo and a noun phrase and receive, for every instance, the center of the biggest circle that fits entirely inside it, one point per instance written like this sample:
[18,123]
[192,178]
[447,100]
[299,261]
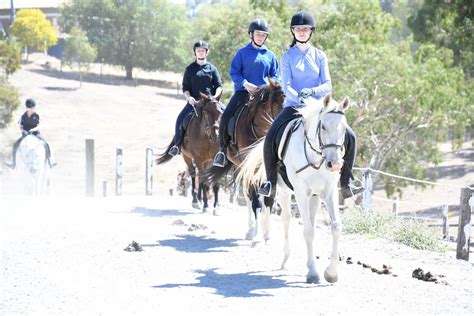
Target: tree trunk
[129,70]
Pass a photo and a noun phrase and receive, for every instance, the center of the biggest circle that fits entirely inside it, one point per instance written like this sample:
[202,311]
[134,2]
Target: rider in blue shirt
[251,67]
[305,73]
[199,76]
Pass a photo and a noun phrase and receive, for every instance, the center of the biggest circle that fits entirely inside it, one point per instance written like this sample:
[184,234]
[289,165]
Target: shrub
[9,102]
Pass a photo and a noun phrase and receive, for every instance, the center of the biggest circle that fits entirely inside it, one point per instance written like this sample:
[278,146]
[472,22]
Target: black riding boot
[268,188]
[348,190]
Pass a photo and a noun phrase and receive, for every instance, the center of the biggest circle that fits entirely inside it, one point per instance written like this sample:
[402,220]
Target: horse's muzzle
[333,166]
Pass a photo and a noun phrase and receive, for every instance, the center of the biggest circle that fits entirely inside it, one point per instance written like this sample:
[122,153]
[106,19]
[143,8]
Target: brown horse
[200,145]
[257,116]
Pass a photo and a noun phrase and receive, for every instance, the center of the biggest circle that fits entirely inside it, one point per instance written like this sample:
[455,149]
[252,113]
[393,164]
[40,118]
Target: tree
[78,51]
[404,102]
[447,24]
[9,102]
[33,30]
[149,33]
[10,56]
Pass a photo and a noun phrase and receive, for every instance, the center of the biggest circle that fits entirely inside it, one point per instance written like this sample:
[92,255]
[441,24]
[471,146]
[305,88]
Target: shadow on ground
[159,212]
[104,79]
[198,244]
[236,284]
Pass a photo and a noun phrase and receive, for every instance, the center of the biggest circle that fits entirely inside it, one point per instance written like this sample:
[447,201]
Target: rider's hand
[305,93]
[250,87]
[24,133]
[192,100]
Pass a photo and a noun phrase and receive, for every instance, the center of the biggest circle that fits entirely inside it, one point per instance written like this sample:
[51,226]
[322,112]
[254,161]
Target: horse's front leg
[303,199]
[203,187]
[254,206]
[332,203]
[215,189]
[195,202]
[284,198]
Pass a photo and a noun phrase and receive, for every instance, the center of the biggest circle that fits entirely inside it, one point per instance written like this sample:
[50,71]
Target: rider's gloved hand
[305,93]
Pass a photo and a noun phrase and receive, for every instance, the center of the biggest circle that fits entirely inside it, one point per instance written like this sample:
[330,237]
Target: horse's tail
[165,157]
[251,172]
[214,174]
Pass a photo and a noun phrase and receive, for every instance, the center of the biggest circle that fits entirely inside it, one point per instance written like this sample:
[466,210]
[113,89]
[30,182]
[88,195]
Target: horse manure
[365,265]
[359,263]
[379,272]
[178,222]
[349,260]
[194,227]
[427,277]
[374,269]
[386,271]
[134,246]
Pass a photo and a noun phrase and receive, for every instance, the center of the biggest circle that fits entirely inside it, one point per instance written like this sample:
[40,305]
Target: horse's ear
[272,84]
[345,102]
[203,96]
[327,100]
[218,97]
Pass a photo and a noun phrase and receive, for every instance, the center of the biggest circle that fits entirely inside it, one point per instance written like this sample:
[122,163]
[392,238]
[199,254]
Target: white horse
[313,162]
[32,165]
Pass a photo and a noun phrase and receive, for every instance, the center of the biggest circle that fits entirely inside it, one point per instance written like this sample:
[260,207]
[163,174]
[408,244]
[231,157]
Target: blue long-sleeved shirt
[253,65]
[304,70]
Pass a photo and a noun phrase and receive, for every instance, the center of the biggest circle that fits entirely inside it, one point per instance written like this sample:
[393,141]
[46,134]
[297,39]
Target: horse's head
[209,110]
[326,125]
[267,102]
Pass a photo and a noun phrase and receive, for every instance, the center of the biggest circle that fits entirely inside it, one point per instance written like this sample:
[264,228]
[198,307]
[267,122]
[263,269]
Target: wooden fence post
[464,227]
[445,214]
[149,172]
[118,172]
[367,194]
[90,167]
[395,207]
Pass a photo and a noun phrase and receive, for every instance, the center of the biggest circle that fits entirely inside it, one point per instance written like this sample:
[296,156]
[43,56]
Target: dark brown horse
[200,145]
[258,114]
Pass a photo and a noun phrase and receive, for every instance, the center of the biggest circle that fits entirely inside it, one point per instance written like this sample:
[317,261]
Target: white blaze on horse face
[333,129]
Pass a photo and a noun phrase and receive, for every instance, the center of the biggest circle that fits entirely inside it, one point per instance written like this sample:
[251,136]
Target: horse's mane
[262,94]
[314,107]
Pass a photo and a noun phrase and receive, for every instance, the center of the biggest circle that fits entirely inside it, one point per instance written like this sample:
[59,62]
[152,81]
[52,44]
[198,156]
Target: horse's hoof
[250,235]
[330,278]
[205,209]
[255,243]
[216,212]
[312,279]
[196,205]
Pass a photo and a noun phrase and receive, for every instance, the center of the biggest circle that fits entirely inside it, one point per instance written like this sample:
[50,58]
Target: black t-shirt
[201,78]
[29,122]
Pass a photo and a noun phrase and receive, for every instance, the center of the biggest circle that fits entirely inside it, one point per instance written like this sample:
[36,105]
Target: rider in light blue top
[304,70]
[305,73]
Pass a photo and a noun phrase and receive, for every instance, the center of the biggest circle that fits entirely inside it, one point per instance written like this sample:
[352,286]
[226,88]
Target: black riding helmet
[200,44]
[259,25]
[30,103]
[302,18]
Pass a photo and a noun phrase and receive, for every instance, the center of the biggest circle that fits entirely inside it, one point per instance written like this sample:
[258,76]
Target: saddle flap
[186,120]
[284,135]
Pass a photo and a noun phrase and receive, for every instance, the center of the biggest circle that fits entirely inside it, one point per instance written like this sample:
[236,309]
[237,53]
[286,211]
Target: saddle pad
[282,141]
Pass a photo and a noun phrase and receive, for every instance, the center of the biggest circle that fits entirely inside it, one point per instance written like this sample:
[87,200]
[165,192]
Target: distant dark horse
[256,118]
[200,145]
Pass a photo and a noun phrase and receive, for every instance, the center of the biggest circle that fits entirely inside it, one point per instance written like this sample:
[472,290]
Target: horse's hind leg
[303,203]
[284,198]
[330,274]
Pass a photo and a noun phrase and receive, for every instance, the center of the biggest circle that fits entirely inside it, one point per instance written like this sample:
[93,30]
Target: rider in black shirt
[29,124]
[199,76]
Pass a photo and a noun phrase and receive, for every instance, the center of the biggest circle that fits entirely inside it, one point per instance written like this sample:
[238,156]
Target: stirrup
[173,151]
[265,189]
[219,160]
[350,191]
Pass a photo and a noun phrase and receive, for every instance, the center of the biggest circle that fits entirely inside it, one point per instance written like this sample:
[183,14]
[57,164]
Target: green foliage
[9,102]
[410,232]
[32,29]
[147,34]
[78,51]
[447,24]
[10,56]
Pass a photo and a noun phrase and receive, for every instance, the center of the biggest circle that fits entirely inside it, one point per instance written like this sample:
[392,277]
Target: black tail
[214,174]
[165,157]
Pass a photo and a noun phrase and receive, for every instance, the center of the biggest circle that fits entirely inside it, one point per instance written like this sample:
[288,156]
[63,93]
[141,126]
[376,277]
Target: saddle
[280,143]
[231,126]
